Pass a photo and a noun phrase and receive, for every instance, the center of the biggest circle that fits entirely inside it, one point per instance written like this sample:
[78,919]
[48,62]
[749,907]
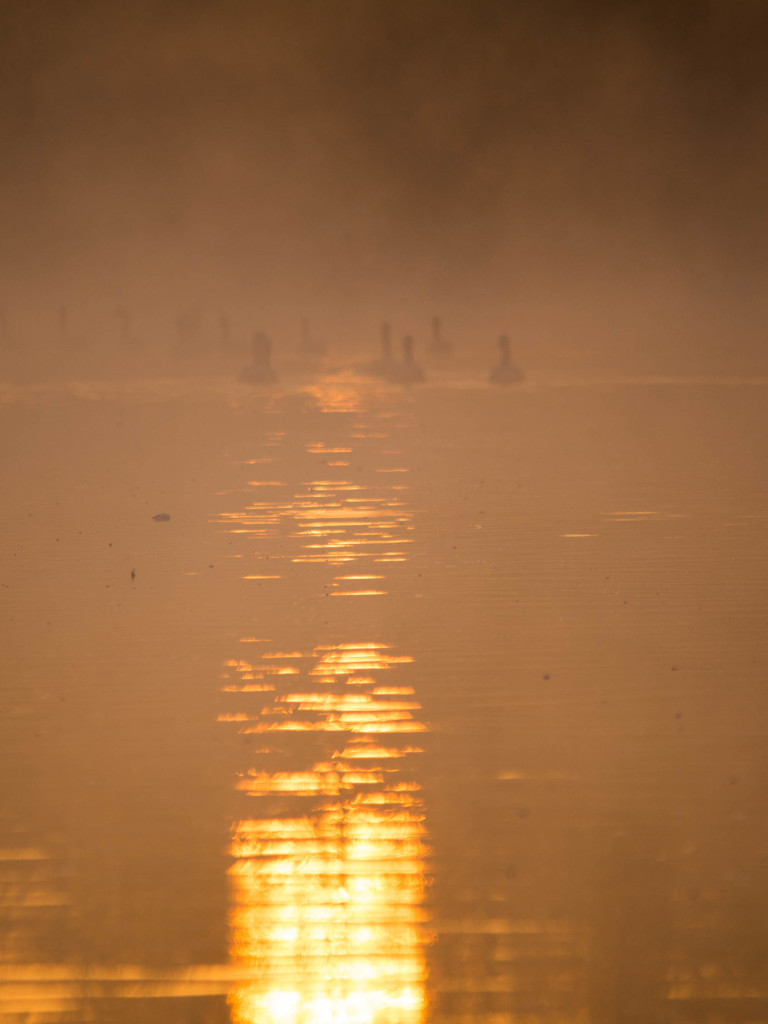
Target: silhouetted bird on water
[259,371]
[505,372]
[439,346]
[408,371]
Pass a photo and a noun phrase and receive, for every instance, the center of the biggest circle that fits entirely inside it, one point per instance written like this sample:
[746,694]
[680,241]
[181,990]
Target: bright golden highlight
[329,884]
[335,395]
[338,522]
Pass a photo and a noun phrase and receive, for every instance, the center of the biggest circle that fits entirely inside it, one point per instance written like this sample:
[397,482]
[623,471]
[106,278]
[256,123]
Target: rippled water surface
[443,705]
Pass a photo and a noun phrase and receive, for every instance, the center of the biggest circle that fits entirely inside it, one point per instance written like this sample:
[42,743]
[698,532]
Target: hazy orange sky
[382,153]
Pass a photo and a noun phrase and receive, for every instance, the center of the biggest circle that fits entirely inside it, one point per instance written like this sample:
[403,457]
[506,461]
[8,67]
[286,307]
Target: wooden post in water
[438,344]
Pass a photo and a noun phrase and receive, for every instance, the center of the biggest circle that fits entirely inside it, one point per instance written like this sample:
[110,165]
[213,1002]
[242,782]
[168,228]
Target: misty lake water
[434,705]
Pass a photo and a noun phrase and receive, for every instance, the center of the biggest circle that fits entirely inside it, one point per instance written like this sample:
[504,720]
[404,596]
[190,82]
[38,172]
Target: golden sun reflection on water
[328,882]
[337,519]
[335,394]
[328,885]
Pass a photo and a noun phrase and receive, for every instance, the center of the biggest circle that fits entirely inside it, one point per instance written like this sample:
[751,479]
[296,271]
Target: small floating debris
[162,517]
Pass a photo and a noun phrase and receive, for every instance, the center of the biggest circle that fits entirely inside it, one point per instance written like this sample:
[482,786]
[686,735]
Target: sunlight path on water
[330,871]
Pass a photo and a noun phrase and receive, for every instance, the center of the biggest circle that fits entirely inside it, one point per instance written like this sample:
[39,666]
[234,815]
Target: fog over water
[588,175]
[383,445]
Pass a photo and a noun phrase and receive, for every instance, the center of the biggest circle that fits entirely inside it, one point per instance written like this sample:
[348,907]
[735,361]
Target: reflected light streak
[249,688]
[339,521]
[328,916]
[335,396]
[358,593]
[359,577]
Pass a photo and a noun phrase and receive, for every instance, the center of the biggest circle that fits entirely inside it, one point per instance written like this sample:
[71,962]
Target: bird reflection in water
[329,875]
